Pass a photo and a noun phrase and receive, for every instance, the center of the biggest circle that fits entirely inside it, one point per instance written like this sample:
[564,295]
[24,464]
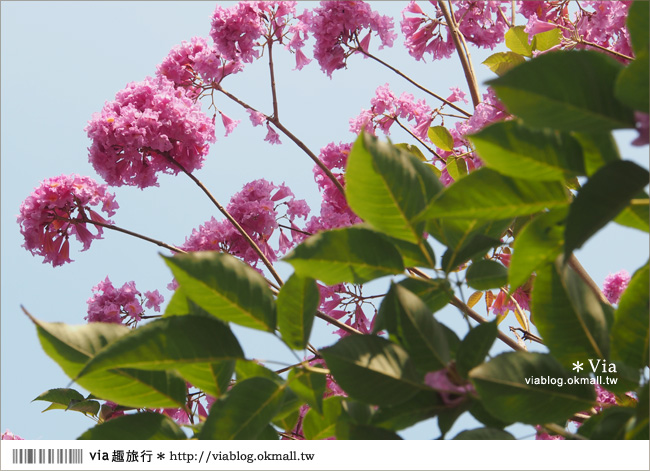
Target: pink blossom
[190,62]
[614,285]
[535,26]
[149,122]
[154,300]
[336,24]
[456,95]
[335,211]
[480,23]
[272,137]
[113,305]
[451,393]
[541,435]
[236,31]
[255,208]
[301,60]
[177,415]
[228,123]
[256,117]
[10,436]
[58,208]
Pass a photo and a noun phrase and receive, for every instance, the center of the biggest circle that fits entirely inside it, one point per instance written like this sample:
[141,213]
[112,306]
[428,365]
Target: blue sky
[62,60]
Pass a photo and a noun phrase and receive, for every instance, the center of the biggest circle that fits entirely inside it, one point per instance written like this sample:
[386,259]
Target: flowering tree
[509,190]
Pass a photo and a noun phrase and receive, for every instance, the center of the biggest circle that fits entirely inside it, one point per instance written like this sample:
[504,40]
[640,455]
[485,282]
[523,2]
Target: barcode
[48,456]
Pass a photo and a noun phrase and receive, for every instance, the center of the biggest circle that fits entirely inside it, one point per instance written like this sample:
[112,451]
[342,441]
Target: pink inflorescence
[10,436]
[614,285]
[149,122]
[480,23]
[599,22]
[59,207]
[255,208]
[193,62]
[113,305]
[334,210]
[337,27]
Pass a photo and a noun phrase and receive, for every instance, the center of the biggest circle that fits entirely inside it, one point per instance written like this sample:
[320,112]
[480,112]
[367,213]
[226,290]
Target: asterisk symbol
[577,366]
[161,456]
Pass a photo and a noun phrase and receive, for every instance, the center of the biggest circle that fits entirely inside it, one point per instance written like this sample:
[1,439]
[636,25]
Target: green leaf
[513,149]
[441,137]
[486,194]
[477,409]
[456,167]
[388,187]
[517,41]
[185,343]
[610,424]
[501,62]
[637,214]
[598,149]
[309,386]
[484,433]
[352,431]
[71,347]
[352,254]
[424,405]
[415,150]
[566,90]
[436,294]
[569,316]
[372,369]
[637,25]
[486,274]
[630,334]
[632,84]
[448,417]
[546,40]
[142,426]
[244,412]
[504,391]
[411,323]
[318,426]
[297,302]
[68,399]
[601,199]
[415,255]
[466,239]
[539,243]
[225,287]
[475,347]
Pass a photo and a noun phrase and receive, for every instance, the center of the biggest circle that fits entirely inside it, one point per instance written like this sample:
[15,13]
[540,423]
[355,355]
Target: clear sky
[62,60]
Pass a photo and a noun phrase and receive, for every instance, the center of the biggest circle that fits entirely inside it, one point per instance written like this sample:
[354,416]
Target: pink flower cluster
[599,22]
[452,394]
[191,62]
[614,285]
[61,206]
[334,210]
[480,23]
[337,27]
[338,301]
[386,109]
[255,208]
[241,31]
[149,122]
[10,436]
[113,305]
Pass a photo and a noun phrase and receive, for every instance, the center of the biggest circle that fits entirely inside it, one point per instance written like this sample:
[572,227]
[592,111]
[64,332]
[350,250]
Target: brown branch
[463,53]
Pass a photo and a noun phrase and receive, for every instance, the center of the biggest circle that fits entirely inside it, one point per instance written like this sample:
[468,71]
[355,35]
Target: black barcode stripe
[47,456]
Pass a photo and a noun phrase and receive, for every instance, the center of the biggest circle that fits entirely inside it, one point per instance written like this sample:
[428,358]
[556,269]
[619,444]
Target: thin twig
[407,78]
[228,216]
[604,49]
[124,231]
[463,53]
[273,90]
[582,273]
[290,135]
